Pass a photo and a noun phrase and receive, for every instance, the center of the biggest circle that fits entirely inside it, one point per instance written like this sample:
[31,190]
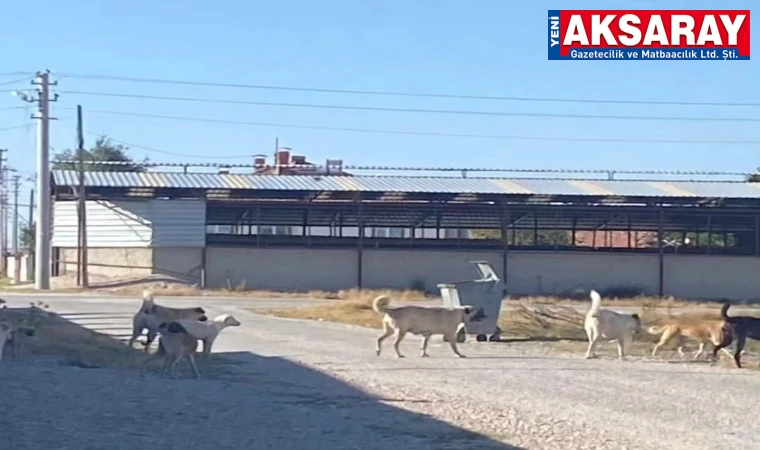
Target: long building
[313,232]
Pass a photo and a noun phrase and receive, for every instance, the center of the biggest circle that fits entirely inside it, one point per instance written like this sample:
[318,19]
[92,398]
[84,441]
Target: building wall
[530,273]
[110,263]
[133,223]
[281,269]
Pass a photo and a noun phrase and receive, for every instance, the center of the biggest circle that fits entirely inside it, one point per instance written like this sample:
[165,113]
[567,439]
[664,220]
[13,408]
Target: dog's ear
[202,318]
[467,310]
[200,310]
[635,316]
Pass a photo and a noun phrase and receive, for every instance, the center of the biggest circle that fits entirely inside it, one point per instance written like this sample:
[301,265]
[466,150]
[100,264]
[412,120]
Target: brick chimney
[283,156]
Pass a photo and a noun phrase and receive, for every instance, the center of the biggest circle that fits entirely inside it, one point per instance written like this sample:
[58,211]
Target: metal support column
[661,254]
[360,247]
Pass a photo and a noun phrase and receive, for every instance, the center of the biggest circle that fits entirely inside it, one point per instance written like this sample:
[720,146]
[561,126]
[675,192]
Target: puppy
[424,321]
[208,331]
[174,344]
[5,334]
[151,315]
[609,325]
[739,328]
[707,331]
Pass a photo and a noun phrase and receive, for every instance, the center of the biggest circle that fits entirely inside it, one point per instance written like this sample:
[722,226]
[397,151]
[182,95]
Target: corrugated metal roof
[724,189]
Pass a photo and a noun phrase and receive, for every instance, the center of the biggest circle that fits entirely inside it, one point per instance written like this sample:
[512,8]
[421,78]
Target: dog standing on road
[601,323]
[208,331]
[174,345]
[151,316]
[424,321]
[707,331]
[739,328]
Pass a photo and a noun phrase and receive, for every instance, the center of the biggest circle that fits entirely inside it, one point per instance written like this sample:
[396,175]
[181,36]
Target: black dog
[739,327]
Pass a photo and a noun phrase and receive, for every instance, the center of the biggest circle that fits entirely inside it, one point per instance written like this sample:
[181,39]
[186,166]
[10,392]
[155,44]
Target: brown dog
[707,331]
[739,328]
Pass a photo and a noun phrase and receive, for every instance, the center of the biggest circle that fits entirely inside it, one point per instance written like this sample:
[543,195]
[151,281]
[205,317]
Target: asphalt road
[522,395]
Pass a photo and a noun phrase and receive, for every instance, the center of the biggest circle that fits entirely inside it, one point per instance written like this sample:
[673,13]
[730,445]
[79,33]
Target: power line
[403,94]
[425,133]
[9,108]
[418,110]
[17,126]
[6,83]
[429,169]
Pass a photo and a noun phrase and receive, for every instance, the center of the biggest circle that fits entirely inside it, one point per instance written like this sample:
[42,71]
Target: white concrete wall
[281,269]
[530,273]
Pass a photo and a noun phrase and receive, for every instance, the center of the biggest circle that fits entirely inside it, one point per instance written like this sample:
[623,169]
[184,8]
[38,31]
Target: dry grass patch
[78,346]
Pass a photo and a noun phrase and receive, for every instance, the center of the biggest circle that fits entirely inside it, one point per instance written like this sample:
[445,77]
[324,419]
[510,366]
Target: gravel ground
[319,385]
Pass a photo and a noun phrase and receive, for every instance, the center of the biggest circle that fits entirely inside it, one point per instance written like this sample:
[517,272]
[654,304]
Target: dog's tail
[596,303]
[655,330]
[147,295]
[380,304]
[724,310]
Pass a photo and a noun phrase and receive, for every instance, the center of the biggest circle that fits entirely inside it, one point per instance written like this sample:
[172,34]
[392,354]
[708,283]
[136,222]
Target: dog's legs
[738,351]
[593,339]
[399,336]
[621,349]
[387,332]
[423,348]
[173,367]
[722,346]
[191,358]
[151,336]
[453,343]
[136,332]
[207,343]
[700,351]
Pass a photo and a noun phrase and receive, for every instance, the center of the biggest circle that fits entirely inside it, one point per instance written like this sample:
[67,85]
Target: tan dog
[151,316]
[174,345]
[604,324]
[424,321]
[208,331]
[707,331]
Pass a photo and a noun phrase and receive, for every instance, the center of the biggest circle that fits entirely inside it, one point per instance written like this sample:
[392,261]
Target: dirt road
[323,382]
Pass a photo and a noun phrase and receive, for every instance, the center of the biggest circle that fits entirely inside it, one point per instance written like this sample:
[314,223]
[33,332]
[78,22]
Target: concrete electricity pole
[14,235]
[3,223]
[42,235]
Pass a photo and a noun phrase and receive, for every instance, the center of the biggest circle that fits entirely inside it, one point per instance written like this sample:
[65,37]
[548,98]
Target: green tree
[103,150]
[27,237]
[754,178]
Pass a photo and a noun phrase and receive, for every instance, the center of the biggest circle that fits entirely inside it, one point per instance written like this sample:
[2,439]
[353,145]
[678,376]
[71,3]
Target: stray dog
[208,331]
[5,334]
[601,323]
[739,328]
[709,330]
[424,321]
[151,316]
[174,344]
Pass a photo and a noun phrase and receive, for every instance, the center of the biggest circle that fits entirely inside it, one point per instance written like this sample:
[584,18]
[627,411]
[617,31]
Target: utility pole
[3,221]
[82,279]
[30,224]
[42,229]
[14,235]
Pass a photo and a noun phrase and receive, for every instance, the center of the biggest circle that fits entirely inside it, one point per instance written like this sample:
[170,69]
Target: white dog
[208,331]
[151,316]
[609,325]
[424,321]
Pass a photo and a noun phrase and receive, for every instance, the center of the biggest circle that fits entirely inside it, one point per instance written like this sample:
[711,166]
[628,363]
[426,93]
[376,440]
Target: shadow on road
[256,402]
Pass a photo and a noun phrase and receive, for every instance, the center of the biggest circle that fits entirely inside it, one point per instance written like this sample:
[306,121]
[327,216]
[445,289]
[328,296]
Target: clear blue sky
[480,47]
